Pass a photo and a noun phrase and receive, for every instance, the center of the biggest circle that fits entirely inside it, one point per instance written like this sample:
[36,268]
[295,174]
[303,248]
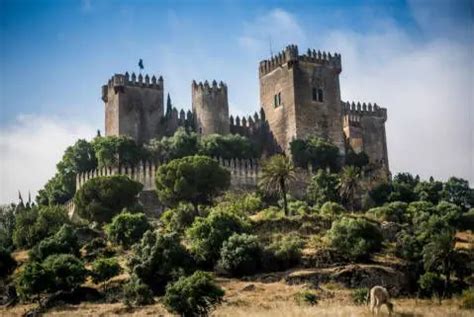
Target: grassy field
[267,300]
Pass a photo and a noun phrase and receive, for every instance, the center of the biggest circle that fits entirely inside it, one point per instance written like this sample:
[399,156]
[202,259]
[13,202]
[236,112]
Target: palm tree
[277,172]
[349,185]
[440,254]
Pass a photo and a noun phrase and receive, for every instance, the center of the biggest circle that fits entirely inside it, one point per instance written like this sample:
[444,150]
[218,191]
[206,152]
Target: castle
[299,97]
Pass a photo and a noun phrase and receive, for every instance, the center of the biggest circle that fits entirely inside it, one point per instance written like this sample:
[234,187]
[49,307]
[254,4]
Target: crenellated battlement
[290,55]
[119,81]
[209,88]
[354,111]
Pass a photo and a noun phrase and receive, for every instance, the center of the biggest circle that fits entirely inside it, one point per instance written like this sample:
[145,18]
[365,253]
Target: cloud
[278,26]
[30,147]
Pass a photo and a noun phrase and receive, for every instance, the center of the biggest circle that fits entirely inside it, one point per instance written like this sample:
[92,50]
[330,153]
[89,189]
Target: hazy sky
[416,58]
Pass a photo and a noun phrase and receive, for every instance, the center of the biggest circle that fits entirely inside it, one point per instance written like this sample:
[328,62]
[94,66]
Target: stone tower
[301,97]
[133,106]
[210,108]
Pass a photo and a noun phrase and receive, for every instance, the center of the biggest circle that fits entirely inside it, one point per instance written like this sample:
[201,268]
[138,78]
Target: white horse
[379,296]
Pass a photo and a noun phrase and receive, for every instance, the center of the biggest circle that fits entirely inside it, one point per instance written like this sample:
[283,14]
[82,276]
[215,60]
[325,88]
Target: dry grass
[267,300]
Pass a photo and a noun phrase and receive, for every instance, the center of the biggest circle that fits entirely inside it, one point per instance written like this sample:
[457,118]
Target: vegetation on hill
[410,227]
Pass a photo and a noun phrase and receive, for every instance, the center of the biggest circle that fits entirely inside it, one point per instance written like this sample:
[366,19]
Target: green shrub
[246,204]
[271,213]
[127,228]
[159,259]
[178,219]
[206,235]
[355,237]
[323,188]
[360,295]
[467,299]
[194,295]
[332,209]
[240,255]
[284,254]
[7,263]
[394,211]
[306,297]
[315,151]
[430,284]
[104,269]
[101,198]
[137,293]
[64,241]
[194,179]
[229,146]
[466,221]
[67,272]
[33,280]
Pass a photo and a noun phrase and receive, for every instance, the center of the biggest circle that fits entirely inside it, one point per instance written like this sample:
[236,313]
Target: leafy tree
[159,259]
[276,173]
[103,269]
[227,146]
[358,160]
[240,255]
[181,144]
[394,212]
[206,235]
[113,151]
[7,225]
[193,179]
[64,241]
[101,198]
[457,191]
[33,280]
[34,224]
[77,158]
[315,151]
[429,191]
[194,295]
[179,218]
[127,228]
[403,186]
[430,284]
[349,185]
[323,188]
[380,194]
[332,209]
[66,271]
[284,253]
[135,292]
[7,263]
[356,237]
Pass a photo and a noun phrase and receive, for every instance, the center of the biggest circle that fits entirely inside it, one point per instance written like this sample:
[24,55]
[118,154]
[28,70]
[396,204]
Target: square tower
[301,97]
[133,106]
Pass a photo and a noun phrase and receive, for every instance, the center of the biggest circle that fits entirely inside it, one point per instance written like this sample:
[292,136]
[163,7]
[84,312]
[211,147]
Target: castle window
[320,95]
[277,100]
[315,94]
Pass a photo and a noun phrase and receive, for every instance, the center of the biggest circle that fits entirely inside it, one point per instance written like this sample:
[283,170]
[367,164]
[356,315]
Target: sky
[416,58]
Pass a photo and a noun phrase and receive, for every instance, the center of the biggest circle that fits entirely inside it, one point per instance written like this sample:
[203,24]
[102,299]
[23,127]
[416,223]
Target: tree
[101,198]
[356,237]
[33,280]
[7,225]
[7,263]
[206,235]
[349,185]
[66,271]
[394,212]
[241,255]
[439,255]
[181,144]
[194,295]
[127,228]
[429,191]
[276,173]
[358,160]
[158,259]
[229,146]
[103,269]
[194,179]
[77,158]
[178,219]
[380,194]
[315,151]
[24,234]
[403,186]
[112,151]
[457,191]
[323,188]
[64,241]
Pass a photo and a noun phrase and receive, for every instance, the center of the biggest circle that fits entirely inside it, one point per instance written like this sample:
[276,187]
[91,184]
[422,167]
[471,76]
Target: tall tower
[210,108]
[133,106]
[300,96]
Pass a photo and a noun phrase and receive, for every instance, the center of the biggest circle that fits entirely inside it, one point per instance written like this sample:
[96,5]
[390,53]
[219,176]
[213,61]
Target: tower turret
[210,107]
[133,106]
